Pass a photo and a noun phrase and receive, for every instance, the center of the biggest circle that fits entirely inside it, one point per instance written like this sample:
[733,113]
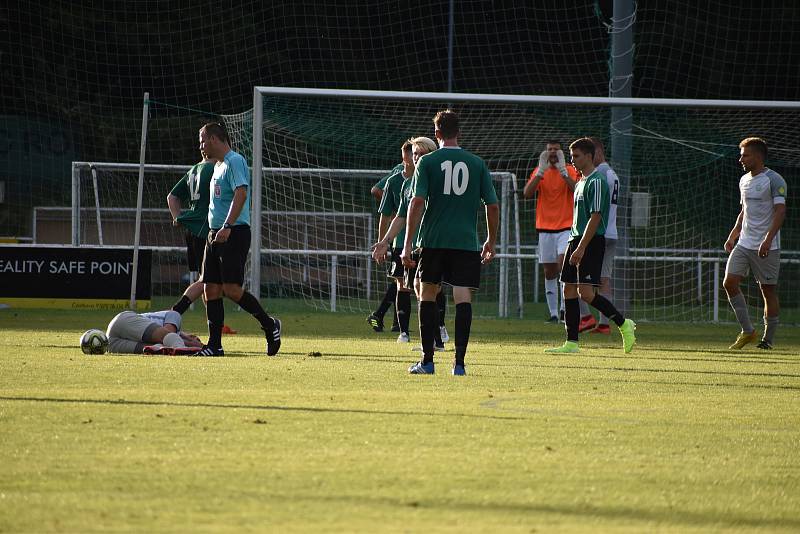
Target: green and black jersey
[194,191]
[455,185]
[591,196]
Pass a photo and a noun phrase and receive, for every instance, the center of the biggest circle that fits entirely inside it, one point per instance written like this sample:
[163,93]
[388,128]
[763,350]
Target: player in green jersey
[450,185]
[583,261]
[375,319]
[192,192]
[394,208]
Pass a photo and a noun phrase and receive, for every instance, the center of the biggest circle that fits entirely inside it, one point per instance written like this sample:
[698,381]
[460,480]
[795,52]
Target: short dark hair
[217,130]
[584,144]
[553,142]
[758,144]
[446,121]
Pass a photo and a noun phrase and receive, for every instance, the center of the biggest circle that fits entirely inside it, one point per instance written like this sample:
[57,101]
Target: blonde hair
[425,143]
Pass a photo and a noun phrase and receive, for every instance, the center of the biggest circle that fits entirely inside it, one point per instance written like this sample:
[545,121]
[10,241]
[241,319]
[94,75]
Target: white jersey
[759,195]
[613,189]
[164,317]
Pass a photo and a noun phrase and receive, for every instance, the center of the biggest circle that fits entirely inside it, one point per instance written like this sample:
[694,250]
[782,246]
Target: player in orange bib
[553,182]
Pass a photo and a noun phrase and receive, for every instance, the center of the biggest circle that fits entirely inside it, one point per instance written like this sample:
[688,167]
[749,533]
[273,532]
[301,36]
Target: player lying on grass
[150,333]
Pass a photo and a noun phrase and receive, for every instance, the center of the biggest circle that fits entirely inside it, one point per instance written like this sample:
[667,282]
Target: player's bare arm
[383,224]
[381,248]
[239,198]
[734,235]
[492,223]
[415,210]
[588,234]
[174,205]
[778,215]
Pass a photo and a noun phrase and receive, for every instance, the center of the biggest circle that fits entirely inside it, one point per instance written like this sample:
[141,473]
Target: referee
[229,242]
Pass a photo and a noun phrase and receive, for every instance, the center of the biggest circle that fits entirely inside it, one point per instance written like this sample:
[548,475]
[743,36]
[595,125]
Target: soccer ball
[94,341]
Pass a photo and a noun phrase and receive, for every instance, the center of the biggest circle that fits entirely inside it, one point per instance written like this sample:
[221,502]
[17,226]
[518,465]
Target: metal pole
[450,44]
[620,86]
[518,247]
[97,206]
[334,262]
[255,197]
[76,205]
[138,229]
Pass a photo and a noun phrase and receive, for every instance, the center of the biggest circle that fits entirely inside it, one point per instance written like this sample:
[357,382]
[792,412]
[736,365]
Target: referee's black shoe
[209,351]
[274,337]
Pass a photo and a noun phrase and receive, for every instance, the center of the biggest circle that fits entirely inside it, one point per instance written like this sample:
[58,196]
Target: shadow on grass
[662,517]
[127,402]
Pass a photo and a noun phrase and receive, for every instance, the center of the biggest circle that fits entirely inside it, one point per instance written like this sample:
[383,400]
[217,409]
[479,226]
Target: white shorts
[608,258]
[743,260]
[552,245]
[129,332]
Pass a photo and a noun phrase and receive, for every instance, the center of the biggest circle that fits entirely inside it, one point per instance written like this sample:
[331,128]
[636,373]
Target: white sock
[561,287]
[551,294]
[173,340]
[584,308]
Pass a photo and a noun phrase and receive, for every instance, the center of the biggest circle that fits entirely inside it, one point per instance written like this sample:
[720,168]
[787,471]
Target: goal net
[677,163]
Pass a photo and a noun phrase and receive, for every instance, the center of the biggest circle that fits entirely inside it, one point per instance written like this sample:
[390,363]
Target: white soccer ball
[94,341]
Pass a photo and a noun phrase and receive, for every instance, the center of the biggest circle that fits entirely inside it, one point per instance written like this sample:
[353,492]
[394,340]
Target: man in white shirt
[757,229]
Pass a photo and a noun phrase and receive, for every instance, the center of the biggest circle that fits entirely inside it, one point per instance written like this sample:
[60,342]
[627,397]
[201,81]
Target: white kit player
[150,333]
[612,235]
[754,243]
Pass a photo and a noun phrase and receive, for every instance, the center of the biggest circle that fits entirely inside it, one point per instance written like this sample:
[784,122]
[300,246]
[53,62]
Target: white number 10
[455,178]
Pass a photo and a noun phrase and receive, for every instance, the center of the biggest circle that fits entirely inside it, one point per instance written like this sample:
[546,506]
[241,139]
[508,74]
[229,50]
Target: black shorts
[195,249]
[409,273]
[591,265]
[459,268]
[223,263]
[394,267]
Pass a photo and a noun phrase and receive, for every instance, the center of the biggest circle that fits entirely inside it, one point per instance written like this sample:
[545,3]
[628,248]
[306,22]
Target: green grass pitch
[682,435]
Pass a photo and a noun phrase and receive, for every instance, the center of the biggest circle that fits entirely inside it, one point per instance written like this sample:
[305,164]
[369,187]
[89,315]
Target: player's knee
[212,291]
[173,340]
[233,291]
[731,285]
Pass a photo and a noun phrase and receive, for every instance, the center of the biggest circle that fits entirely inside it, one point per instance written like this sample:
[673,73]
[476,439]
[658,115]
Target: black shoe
[395,327]
[375,322]
[274,338]
[209,351]
[763,344]
[552,320]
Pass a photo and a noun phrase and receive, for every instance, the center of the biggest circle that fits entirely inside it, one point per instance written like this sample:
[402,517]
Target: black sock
[441,303]
[403,305]
[463,325]
[604,306]
[251,305]
[572,318]
[388,300]
[182,305]
[427,327]
[215,312]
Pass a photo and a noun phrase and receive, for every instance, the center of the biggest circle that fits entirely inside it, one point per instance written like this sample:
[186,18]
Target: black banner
[30,272]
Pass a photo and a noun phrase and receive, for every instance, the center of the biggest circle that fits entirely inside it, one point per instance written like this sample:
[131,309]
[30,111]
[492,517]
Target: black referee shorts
[224,263]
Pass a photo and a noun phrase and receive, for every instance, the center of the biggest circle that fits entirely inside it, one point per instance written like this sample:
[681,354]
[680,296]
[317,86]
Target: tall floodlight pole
[450,37]
[619,86]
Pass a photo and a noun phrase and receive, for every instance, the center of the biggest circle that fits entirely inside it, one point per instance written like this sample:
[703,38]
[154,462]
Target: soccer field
[682,435]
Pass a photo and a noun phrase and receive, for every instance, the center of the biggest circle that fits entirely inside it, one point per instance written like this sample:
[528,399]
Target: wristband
[227,225]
